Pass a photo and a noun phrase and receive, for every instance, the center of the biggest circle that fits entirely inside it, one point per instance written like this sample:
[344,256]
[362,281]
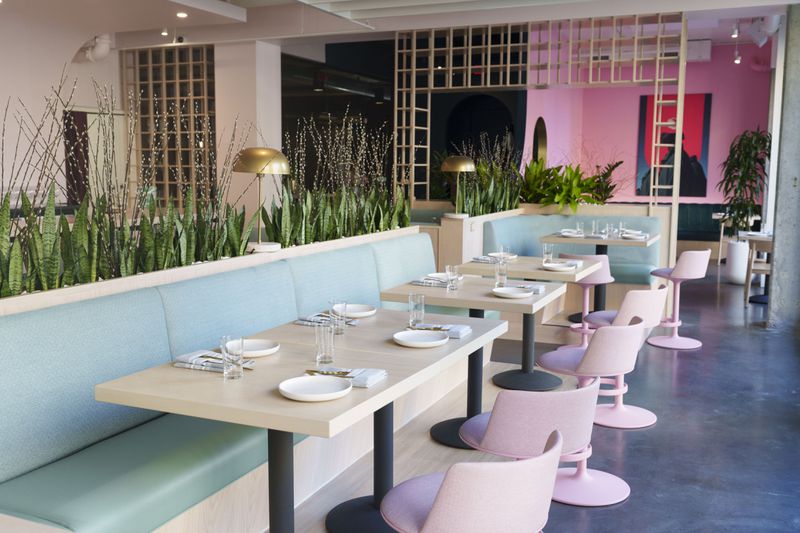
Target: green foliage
[567,185]
[491,188]
[743,176]
[312,216]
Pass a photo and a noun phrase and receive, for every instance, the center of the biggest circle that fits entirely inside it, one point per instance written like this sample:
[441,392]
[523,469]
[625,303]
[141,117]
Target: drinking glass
[500,274]
[451,271]
[416,309]
[579,227]
[232,349]
[324,336]
[547,252]
[595,227]
[505,252]
[339,321]
[621,227]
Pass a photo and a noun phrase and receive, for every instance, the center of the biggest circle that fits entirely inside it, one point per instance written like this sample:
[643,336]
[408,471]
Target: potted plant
[743,176]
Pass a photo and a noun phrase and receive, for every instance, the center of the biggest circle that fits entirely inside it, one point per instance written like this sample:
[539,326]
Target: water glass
[547,253]
[451,271]
[338,320]
[324,336]
[500,274]
[595,227]
[579,227]
[232,349]
[621,227]
[416,309]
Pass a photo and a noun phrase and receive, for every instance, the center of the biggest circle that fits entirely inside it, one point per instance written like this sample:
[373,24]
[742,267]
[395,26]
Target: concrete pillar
[784,299]
[248,89]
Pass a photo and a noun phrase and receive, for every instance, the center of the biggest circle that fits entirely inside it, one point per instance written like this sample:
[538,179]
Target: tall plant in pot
[743,176]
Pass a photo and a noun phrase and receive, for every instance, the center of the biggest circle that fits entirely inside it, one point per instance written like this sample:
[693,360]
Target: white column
[248,92]
[776,104]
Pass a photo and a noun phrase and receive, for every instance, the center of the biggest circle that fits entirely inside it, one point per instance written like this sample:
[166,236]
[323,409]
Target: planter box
[43,299]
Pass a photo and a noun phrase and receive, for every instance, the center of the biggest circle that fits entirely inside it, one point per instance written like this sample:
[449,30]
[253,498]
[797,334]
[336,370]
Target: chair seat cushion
[600,319]
[633,273]
[139,479]
[407,505]
[473,430]
[665,273]
[564,360]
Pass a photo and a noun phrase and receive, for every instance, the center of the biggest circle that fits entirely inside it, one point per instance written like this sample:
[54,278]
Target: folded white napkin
[569,262]
[360,377]
[321,318]
[206,360]
[571,231]
[429,283]
[485,259]
[534,288]
[454,331]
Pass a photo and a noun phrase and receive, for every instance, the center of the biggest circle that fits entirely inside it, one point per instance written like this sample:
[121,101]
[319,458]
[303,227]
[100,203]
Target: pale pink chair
[691,265]
[599,277]
[647,304]
[512,497]
[519,423]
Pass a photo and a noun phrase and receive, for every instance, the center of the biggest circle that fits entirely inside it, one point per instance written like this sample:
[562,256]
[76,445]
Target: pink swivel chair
[519,423]
[599,277]
[690,265]
[512,497]
[647,304]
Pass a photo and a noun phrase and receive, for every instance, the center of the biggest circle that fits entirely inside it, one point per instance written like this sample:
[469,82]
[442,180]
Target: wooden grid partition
[175,131]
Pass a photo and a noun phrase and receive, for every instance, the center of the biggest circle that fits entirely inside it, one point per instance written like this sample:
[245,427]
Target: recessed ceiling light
[164,32]
[735,31]
[182,14]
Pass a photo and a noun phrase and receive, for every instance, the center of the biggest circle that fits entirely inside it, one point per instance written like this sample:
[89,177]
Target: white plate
[258,347]
[573,234]
[558,267]
[634,236]
[512,292]
[503,255]
[355,310]
[420,339]
[315,388]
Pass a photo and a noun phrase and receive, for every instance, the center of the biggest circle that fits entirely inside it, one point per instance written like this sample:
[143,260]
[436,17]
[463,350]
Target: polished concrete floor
[723,455]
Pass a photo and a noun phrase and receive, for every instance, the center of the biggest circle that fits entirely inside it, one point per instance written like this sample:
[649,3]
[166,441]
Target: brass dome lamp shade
[457,164]
[261,161]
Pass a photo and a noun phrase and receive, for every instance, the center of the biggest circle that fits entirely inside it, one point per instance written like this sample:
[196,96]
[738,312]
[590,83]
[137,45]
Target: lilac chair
[647,304]
[513,497]
[520,422]
[598,277]
[690,265]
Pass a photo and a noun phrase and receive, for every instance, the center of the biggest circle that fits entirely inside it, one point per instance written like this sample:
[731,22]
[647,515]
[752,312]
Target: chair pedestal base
[359,515]
[589,488]
[675,342]
[623,416]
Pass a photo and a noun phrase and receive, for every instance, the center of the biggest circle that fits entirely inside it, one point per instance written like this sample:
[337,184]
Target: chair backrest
[599,276]
[647,304]
[522,421]
[513,496]
[692,264]
[612,350]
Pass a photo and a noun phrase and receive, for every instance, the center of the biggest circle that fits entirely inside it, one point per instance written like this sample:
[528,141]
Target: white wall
[33,55]
[248,89]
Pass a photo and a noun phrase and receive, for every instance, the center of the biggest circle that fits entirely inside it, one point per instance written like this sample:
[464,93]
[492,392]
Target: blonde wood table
[476,295]
[255,401]
[600,248]
[531,268]
[750,237]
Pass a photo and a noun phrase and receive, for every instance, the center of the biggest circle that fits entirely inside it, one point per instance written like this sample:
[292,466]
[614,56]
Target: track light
[165,32]
[737,57]
[319,82]
[379,95]
[735,31]
[181,14]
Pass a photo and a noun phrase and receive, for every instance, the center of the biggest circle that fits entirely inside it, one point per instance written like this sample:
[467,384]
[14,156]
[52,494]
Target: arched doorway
[477,114]
[539,151]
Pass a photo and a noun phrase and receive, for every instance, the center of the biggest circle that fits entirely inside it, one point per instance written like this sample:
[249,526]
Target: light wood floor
[414,454]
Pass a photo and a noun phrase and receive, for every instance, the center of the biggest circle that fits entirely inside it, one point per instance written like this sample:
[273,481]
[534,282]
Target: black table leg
[446,431]
[363,515]
[280,453]
[526,378]
[600,290]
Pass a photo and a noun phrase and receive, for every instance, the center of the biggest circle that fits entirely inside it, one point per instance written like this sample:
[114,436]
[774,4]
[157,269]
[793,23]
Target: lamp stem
[260,203]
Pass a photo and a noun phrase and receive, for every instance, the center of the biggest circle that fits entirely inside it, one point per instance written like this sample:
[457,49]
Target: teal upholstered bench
[522,233]
[72,462]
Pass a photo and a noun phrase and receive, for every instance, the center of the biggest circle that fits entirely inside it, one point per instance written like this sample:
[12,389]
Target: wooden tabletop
[755,236]
[557,238]
[255,401]
[531,268]
[476,293]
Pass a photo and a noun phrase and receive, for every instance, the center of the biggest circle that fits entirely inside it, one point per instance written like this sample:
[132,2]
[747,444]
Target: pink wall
[608,125]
